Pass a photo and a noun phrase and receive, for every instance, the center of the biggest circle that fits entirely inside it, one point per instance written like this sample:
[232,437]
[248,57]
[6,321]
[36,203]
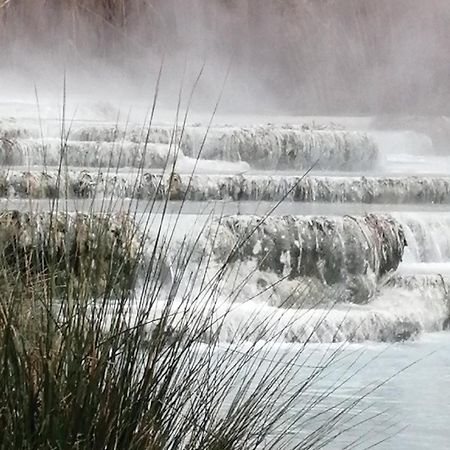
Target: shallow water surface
[415,401]
[406,388]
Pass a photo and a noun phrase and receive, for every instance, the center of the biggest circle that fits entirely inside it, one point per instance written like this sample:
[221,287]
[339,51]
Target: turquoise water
[416,401]
[402,393]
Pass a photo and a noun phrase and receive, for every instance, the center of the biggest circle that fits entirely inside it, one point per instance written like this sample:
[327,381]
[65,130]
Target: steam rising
[294,56]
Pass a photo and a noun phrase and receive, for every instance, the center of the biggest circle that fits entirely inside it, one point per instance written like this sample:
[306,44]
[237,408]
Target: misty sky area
[315,57]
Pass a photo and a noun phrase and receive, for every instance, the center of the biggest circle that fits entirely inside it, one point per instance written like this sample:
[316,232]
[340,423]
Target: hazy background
[359,57]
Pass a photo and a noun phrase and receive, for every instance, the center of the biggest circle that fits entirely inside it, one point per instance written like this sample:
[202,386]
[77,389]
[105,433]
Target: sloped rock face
[98,251]
[354,251]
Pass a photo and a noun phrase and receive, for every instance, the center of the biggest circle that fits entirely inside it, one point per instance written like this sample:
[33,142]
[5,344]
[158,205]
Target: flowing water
[358,250]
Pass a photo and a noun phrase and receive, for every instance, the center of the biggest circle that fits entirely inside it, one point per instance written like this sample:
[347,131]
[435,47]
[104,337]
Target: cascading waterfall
[356,251]
[267,147]
[347,284]
[379,276]
[38,183]
[428,236]
[401,306]
[285,148]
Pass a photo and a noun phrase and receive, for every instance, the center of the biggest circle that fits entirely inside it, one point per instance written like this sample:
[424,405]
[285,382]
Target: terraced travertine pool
[358,249]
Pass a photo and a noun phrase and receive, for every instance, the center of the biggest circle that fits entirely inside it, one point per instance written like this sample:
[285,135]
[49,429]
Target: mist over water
[317,57]
[354,92]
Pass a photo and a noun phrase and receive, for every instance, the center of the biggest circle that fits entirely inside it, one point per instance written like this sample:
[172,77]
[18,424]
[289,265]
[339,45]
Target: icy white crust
[79,183]
[265,147]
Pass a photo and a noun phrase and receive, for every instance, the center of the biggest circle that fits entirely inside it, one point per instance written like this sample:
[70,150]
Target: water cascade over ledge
[264,147]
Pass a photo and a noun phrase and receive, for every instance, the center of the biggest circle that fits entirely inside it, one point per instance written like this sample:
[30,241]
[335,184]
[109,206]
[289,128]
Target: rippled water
[413,405]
